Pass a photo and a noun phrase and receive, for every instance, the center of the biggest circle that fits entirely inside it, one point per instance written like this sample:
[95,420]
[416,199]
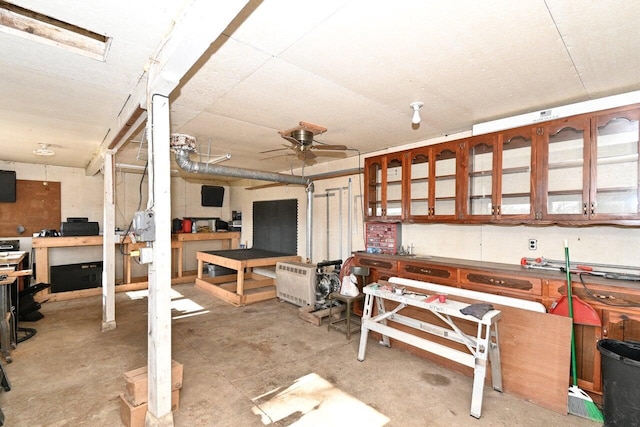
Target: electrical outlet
[533,244]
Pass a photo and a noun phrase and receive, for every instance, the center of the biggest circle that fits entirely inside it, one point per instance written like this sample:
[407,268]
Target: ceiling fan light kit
[302,141]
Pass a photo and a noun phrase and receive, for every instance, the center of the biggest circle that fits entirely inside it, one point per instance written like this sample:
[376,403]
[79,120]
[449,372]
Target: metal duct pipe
[188,165]
[309,191]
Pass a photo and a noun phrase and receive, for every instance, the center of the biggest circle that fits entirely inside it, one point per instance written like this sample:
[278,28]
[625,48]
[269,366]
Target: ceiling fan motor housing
[304,137]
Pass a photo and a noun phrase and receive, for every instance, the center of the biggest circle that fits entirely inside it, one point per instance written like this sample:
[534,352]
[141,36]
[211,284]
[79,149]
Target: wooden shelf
[616,190]
[445,177]
[518,169]
[613,160]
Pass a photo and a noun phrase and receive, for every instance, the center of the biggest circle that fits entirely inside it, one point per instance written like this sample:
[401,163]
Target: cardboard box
[136,383]
[133,416]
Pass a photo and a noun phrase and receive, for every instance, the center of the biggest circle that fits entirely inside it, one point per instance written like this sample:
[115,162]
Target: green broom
[579,403]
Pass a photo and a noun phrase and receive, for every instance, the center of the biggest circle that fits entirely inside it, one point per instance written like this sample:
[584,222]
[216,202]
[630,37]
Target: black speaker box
[79,229]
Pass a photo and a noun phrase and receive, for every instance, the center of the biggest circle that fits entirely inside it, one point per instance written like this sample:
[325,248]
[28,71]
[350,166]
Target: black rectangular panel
[7,186]
[212,195]
[89,228]
[73,277]
[275,226]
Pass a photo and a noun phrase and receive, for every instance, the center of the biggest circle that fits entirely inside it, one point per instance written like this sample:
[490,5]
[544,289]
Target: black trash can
[620,382]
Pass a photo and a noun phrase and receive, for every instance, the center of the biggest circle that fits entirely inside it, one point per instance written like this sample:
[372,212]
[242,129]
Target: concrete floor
[239,368]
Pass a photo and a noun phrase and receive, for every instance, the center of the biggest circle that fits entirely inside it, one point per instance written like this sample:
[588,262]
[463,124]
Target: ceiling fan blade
[306,155]
[332,154]
[286,147]
[291,139]
[329,147]
[275,157]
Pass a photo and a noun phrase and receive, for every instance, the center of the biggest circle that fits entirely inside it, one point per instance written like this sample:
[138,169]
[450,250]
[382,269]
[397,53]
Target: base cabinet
[616,302]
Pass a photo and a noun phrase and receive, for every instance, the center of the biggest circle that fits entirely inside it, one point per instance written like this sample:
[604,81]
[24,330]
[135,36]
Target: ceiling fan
[303,142]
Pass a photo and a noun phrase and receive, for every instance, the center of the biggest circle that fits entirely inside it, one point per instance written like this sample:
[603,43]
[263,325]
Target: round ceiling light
[44,150]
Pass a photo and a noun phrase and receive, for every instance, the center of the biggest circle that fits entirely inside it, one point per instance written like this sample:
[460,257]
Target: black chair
[28,310]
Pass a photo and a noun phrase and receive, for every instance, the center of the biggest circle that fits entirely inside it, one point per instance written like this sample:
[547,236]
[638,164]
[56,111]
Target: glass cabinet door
[373,187]
[516,168]
[393,186]
[481,155]
[446,158]
[565,187]
[614,186]
[418,188]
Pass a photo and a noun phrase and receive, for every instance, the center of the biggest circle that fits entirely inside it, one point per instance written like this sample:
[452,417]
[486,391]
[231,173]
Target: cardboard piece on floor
[137,387]
[133,416]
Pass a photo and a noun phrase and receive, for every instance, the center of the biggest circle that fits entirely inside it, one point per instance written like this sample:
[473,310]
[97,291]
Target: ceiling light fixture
[44,150]
[416,106]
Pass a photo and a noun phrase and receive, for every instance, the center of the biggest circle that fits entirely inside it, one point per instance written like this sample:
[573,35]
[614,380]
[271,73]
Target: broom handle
[574,370]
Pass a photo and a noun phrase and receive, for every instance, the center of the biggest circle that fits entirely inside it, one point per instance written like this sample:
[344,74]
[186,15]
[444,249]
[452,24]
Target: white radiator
[296,283]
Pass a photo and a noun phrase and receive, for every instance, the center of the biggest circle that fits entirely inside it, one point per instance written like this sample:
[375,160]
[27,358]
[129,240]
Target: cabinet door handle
[593,208]
[425,271]
[498,210]
[605,332]
[493,210]
[584,209]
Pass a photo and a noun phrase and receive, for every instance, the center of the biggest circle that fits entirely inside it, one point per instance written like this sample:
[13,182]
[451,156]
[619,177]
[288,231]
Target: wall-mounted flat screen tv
[7,186]
[212,195]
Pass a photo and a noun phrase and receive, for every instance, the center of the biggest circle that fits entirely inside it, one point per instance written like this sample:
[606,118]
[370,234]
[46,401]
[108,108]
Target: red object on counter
[186,225]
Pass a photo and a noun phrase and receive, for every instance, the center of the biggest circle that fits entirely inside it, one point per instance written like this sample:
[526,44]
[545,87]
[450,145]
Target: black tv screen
[212,195]
[7,186]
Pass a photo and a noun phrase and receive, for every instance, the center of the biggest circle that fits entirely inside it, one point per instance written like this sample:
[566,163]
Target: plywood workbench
[245,287]
[41,246]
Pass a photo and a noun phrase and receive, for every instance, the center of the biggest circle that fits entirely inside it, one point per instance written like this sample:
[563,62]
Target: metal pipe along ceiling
[188,165]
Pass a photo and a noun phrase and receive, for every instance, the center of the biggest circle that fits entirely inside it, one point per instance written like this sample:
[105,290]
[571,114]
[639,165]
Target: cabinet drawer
[379,264]
[500,283]
[429,272]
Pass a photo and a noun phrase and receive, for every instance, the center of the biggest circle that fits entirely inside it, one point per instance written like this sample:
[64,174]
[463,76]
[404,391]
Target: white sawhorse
[481,349]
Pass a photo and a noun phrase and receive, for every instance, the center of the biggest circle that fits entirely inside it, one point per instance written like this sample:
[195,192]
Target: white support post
[202,23]
[159,323]
[108,245]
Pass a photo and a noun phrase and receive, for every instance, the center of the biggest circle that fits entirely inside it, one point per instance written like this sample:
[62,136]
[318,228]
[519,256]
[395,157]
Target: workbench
[42,245]
[248,286]
[479,350]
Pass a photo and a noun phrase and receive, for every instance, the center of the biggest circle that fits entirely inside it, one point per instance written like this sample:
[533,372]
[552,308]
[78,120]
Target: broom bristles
[580,404]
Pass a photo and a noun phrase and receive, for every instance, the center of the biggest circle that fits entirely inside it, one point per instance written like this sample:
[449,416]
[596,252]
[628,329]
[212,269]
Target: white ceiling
[352,66]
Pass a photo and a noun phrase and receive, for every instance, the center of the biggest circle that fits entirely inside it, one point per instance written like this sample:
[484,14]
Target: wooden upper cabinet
[590,167]
[478,189]
[564,189]
[577,170]
[432,191]
[384,189]
[447,166]
[499,183]
[614,190]
[419,183]
[516,189]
